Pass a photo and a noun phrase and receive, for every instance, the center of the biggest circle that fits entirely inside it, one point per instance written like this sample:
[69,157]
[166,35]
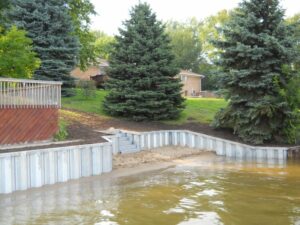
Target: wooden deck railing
[18,93]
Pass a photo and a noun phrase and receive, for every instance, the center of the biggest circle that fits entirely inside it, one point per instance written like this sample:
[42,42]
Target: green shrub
[62,132]
[68,92]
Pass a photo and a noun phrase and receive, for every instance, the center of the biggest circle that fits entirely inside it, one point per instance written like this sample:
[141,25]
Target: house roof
[190,73]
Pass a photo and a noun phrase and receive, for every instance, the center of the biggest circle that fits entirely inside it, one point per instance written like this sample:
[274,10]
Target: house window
[183,78]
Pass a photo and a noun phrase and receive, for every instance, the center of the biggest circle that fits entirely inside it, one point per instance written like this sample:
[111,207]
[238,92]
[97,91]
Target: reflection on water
[209,192]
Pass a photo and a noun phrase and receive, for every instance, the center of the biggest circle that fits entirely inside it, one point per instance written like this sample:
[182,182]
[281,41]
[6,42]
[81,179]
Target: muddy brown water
[199,190]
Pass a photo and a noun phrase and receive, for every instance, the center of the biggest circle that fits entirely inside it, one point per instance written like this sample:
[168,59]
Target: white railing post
[18,93]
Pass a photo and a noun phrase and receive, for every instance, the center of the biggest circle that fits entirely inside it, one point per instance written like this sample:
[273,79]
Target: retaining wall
[19,125]
[28,169]
[222,147]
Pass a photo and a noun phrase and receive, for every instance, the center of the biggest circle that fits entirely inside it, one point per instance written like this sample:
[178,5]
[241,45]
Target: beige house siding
[85,75]
[92,70]
[191,83]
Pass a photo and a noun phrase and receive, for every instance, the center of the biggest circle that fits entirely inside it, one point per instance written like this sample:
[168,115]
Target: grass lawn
[200,110]
[84,104]
[197,109]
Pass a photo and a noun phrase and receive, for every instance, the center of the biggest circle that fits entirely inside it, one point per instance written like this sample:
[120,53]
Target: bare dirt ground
[92,122]
[89,121]
[85,128]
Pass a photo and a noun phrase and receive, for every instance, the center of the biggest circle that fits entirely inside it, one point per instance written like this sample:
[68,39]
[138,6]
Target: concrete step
[128,148]
[124,139]
[122,134]
[125,135]
[125,143]
[125,147]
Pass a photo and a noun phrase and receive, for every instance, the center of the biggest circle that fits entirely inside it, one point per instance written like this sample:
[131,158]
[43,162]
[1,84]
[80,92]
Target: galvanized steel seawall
[19,125]
[222,147]
[29,169]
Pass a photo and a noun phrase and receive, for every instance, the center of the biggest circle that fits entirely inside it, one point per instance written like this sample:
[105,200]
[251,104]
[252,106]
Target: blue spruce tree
[258,51]
[49,25]
[142,72]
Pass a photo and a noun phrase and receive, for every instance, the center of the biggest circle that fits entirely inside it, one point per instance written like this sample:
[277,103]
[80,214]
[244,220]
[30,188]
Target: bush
[68,92]
[62,132]
[88,88]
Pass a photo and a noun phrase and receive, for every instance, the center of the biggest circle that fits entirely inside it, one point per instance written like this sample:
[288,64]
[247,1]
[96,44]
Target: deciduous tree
[186,45]
[17,58]
[294,21]
[104,45]
[81,12]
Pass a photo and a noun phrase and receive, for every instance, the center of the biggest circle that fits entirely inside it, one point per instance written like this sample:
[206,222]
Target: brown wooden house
[93,72]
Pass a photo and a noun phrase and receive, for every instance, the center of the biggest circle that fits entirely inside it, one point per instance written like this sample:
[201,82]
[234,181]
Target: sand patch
[165,154]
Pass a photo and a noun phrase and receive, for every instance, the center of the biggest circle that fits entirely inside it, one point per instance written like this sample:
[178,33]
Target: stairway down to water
[126,143]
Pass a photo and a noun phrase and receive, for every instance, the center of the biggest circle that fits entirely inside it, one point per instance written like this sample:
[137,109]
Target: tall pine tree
[49,25]
[142,73]
[256,58]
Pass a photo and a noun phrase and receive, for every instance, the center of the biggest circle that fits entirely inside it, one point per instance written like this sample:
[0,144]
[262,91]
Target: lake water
[197,191]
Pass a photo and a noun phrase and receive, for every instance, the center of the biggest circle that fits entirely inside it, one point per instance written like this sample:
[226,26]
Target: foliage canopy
[80,12]
[104,45]
[186,45]
[17,59]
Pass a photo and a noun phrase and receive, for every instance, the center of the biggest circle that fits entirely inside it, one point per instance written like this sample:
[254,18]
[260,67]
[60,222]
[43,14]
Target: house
[93,72]
[191,83]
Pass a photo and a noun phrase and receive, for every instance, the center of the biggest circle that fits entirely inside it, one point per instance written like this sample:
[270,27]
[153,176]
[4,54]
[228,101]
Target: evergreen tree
[49,25]
[142,73]
[256,58]
[4,6]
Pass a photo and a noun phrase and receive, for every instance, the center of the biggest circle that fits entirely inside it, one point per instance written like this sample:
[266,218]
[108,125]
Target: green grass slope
[197,109]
